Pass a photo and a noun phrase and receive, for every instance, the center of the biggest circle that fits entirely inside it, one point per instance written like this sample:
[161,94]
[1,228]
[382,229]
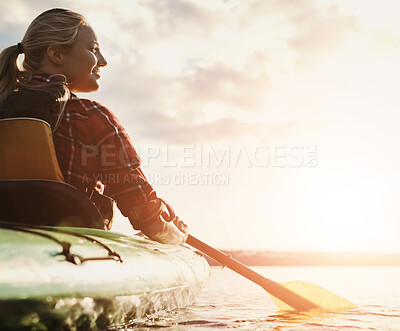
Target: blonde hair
[54,27]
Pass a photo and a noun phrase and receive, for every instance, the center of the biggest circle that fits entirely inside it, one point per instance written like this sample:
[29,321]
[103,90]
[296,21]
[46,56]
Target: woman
[62,57]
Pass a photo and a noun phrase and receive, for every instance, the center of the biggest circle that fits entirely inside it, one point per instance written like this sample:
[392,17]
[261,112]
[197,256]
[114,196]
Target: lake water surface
[230,301]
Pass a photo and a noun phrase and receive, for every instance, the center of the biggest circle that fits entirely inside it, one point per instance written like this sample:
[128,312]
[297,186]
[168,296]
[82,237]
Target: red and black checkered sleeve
[118,162]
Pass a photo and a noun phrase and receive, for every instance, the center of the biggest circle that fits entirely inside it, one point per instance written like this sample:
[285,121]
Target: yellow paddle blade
[322,297]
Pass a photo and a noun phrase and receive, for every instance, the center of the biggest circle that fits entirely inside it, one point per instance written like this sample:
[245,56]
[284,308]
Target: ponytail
[11,79]
[9,72]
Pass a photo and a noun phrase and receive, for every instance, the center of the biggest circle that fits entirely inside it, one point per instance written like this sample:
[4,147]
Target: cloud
[172,17]
[218,82]
[170,130]
[13,22]
[167,129]
[319,32]
[133,92]
[316,30]
[191,98]
[384,41]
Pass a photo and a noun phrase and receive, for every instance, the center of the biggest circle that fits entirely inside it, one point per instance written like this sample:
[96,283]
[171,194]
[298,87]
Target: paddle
[298,295]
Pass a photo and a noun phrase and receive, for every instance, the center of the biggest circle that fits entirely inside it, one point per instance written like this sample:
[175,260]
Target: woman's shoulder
[87,105]
[91,110]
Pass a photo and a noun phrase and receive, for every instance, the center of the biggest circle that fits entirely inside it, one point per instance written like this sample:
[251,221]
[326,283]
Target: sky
[266,124]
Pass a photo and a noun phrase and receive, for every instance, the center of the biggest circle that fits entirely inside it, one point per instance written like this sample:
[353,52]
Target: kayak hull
[57,278]
[88,313]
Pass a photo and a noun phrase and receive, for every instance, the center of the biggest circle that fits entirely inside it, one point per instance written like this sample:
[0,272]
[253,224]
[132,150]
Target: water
[229,301]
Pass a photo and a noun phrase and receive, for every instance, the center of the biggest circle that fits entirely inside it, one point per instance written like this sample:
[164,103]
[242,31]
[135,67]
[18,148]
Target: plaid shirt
[92,145]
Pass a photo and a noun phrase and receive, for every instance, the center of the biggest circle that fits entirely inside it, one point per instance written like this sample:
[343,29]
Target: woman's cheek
[93,60]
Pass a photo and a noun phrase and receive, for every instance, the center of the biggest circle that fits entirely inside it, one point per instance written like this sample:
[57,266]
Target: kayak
[81,278]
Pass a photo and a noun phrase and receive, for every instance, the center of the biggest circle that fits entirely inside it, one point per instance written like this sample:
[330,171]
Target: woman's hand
[173,233]
[166,228]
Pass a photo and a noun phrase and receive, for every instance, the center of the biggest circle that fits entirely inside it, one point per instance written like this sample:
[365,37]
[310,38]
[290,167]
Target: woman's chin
[95,88]
[92,87]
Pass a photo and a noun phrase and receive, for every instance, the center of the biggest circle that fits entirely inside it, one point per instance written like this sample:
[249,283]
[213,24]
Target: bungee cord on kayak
[66,246]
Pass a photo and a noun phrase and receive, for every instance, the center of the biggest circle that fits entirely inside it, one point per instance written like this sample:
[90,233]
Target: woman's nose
[101,61]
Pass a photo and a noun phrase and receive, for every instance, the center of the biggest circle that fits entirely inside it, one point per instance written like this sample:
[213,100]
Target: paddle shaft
[279,291]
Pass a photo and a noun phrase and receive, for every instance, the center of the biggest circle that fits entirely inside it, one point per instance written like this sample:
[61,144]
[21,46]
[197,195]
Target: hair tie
[20,48]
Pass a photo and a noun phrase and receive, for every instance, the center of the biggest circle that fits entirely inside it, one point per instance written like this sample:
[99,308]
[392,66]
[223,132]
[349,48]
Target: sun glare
[345,214]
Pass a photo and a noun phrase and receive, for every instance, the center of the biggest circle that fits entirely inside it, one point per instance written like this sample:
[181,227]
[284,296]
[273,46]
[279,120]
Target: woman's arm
[134,195]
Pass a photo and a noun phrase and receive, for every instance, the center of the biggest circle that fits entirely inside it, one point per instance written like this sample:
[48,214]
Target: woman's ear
[55,55]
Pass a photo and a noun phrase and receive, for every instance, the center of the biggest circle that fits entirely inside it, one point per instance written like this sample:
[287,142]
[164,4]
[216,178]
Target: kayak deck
[89,278]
